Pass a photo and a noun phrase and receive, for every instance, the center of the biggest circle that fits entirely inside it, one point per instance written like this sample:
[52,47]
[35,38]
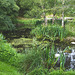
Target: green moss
[21,41]
[27,42]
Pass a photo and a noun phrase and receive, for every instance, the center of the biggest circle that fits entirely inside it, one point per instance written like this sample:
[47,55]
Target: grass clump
[49,32]
[39,71]
[31,61]
[61,72]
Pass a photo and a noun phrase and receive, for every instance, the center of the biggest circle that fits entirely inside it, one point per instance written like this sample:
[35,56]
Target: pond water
[21,44]
[70,56]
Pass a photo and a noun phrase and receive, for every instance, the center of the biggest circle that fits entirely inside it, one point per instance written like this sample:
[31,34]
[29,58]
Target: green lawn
[70,26]
[6,69]
[59,72]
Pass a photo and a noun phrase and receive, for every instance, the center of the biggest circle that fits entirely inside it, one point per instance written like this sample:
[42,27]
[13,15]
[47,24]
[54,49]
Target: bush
[7,16]
[9,55]
[6,50]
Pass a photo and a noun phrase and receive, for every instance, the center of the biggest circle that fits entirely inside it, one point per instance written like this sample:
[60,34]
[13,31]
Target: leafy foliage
[8,54]
[62,60]
[50,32]
[28,23]
[39,71]
[32,60]
[6,50]
[8,9]
[29,8]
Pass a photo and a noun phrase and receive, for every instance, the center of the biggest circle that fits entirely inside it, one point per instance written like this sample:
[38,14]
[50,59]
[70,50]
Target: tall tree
[8,9]
[67,6]
[43,9]
[47,6]
[29,8]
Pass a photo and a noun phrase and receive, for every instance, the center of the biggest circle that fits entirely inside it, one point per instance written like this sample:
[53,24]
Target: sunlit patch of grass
[60,72]
[71,28]
[6,69]
[27,23]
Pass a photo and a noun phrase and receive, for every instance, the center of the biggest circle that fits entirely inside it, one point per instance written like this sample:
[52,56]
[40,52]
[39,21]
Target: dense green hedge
[28,23]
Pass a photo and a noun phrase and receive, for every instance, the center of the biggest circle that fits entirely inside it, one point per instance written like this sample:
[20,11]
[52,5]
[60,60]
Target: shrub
[9,55]
[6,50]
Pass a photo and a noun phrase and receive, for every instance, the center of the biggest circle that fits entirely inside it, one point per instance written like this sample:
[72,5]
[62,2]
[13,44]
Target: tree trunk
[63,15]
[53,18]
[45,19]
[63,19]
[44,15]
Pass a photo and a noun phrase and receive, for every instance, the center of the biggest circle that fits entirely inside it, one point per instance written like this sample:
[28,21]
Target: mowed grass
[60,72]
[6,69]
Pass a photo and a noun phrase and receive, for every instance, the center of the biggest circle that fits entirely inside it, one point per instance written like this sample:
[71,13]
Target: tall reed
[51,32]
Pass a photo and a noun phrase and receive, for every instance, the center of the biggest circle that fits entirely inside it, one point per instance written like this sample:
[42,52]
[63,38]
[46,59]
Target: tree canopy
[8,9]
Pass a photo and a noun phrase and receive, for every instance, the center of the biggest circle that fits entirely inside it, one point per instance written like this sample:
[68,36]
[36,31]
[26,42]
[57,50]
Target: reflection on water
[70,57]
[72,63]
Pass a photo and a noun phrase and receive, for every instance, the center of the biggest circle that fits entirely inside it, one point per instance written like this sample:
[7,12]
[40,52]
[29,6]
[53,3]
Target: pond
[70,56]
[22,43]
